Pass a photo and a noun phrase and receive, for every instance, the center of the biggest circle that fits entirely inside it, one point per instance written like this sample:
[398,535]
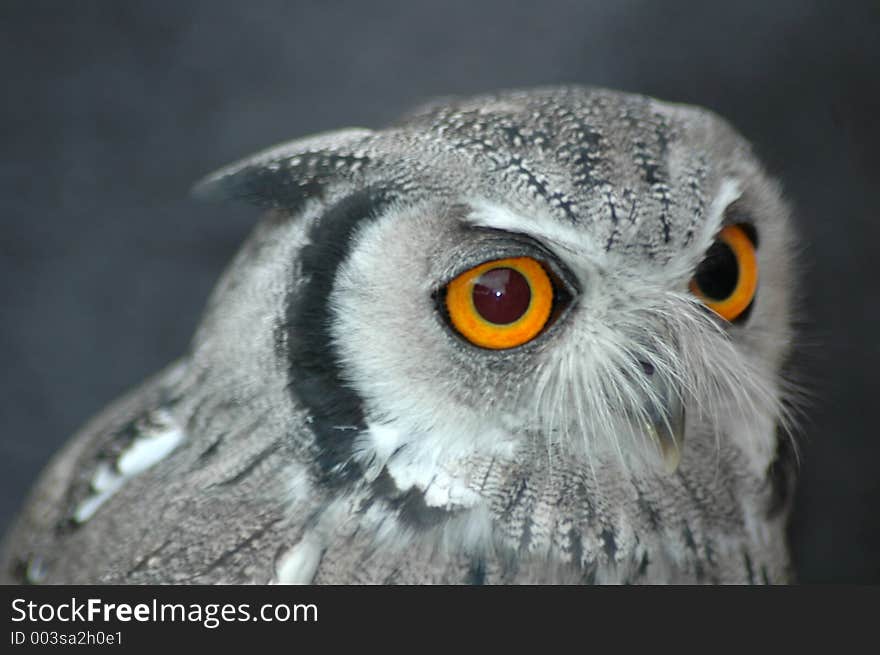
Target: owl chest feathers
[502,519]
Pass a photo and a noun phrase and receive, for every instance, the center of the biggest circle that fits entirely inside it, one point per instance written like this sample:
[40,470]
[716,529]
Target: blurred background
[113,109]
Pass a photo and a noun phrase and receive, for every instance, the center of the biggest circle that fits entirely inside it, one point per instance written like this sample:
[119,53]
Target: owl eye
[502,303]
[727,278]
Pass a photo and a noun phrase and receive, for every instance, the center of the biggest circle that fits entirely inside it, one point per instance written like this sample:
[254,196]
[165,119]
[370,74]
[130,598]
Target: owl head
[561,278]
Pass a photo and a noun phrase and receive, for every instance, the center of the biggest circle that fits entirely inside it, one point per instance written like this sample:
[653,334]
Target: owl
[536,336]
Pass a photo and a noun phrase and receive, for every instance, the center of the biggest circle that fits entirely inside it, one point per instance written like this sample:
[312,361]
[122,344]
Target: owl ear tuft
[288,174]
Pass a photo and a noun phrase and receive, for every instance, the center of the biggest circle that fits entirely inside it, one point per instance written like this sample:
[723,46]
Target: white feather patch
[155,443]
[148,450]
[299,564]
[415,466]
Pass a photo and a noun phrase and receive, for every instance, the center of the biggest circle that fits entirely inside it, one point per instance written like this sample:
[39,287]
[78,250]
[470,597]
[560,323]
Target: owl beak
[666,430]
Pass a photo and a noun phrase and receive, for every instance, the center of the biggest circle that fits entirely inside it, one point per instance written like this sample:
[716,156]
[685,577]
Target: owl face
[566,276]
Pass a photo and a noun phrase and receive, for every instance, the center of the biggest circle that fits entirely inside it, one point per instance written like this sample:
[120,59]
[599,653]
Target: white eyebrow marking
[548,228]
[567,241]
[728,191]
[156,442]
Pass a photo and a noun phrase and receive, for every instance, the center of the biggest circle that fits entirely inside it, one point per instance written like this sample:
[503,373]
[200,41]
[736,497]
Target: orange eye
[501,304]
[727,278]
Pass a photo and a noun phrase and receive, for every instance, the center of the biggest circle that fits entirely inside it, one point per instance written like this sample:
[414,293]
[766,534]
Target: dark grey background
[112,109]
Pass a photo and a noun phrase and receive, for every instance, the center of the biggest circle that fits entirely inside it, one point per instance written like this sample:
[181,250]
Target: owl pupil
[501,295]
[718,273]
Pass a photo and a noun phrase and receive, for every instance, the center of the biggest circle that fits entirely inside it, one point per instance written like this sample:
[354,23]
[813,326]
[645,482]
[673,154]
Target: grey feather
[329,426]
